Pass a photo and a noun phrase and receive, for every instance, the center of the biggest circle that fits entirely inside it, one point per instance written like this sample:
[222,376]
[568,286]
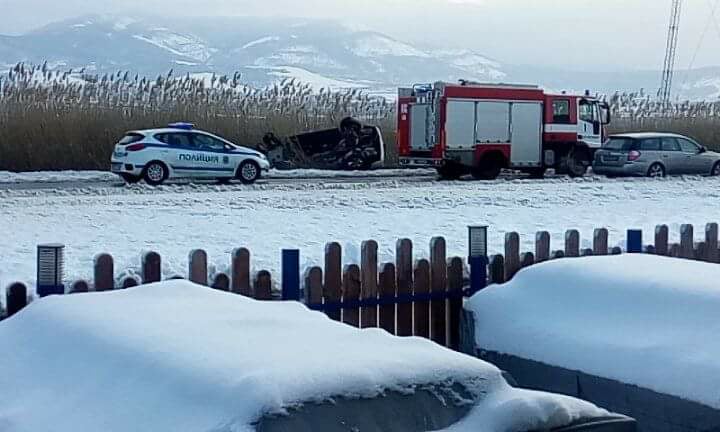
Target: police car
[181,151]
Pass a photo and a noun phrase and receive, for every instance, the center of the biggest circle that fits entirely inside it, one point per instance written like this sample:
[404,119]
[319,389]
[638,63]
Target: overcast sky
[612,34]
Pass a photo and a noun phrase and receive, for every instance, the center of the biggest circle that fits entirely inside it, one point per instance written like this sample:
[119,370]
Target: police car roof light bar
[182,125]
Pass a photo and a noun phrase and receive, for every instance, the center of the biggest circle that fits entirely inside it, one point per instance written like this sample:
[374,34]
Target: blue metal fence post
[478,273]
[291,274]
[634,241]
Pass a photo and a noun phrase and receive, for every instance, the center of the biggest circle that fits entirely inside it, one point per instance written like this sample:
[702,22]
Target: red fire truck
[481,129]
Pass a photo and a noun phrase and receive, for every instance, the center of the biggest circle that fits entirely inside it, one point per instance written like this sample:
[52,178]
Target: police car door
[214,158]
[180,153]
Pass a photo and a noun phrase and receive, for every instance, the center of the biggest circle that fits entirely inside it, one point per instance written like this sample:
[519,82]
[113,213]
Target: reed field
[54,120]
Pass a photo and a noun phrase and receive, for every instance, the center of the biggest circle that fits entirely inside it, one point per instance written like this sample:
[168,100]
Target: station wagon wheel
[155,173]
[656,170]
[715,170]
[248,172]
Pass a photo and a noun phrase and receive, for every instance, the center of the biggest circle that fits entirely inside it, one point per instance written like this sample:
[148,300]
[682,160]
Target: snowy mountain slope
[261,47]
[255,46]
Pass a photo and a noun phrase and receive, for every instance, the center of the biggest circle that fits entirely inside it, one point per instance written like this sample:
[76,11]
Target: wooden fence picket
[16,298]
[314,286]
[542,246]
[387,289]
[151,270]
[527,259]
[221,282]
[572,244]
[438,286]
[711,240]
[512,254]
[687,241]
[368,279]
[198,269]
[661,240]
[79,286]
[241,272]
[674,250]
[129,282]
[404,270]
[332,286]
[600,241]
[351,293]
[421,308]
[496,269]
[103,272]
[262,288]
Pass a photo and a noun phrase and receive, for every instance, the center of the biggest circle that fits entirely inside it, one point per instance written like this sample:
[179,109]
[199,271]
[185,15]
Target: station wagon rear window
[620,144]
[130,138]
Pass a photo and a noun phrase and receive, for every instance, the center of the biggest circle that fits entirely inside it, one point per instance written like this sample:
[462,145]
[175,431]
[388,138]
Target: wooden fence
[407,297]
[503,267]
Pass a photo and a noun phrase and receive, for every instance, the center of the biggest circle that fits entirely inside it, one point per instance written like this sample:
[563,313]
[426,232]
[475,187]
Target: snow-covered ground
[640,319]
[55,176]
[106,176]
[189,358]
[172,220]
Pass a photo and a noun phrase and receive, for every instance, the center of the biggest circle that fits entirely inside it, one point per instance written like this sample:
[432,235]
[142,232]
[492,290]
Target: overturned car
[351,146]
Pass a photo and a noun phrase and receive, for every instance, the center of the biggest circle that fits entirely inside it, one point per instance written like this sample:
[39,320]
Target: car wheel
[155,173]
[248,172]
[656,170]
[715,172]
[129,178]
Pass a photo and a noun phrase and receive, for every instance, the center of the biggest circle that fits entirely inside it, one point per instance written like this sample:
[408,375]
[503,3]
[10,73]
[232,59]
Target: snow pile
[640,319]
[179,357]
[499,412]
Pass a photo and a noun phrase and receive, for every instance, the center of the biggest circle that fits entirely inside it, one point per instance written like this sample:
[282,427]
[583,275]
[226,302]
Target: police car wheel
[155,173]
[248,172]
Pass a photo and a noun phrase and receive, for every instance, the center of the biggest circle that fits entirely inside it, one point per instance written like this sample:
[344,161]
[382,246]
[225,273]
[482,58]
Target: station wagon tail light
[135,147]
[633,156]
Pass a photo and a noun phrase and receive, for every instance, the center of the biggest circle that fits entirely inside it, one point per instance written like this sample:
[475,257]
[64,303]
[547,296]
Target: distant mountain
[322,52]
[263,49]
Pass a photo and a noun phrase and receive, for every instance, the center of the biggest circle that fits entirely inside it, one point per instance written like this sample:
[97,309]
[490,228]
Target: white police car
[181,151]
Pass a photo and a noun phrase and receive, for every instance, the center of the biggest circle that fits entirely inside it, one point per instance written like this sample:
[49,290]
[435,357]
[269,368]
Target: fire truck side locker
[526,134]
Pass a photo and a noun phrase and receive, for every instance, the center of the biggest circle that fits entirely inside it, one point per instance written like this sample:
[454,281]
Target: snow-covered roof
[640,319]
[174,356]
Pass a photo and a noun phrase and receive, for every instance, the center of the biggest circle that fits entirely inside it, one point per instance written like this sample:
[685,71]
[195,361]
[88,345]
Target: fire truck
[481,129]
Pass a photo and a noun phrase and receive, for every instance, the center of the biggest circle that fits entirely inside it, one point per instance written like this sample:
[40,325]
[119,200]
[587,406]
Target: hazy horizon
[573,34]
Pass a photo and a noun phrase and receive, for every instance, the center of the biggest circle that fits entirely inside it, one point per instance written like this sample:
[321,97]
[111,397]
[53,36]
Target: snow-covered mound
[179,357]
[640,319]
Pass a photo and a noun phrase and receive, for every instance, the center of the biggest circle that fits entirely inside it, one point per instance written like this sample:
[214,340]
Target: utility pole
[671,49]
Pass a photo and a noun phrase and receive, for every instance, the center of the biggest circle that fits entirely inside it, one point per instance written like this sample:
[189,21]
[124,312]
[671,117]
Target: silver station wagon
[654,155]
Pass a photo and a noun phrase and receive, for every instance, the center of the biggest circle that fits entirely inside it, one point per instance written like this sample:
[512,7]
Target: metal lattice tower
[669,66]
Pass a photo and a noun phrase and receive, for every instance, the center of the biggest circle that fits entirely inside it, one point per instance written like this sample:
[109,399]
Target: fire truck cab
[481,129]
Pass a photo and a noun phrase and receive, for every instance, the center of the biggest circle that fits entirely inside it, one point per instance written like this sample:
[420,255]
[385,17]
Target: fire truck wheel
[577,163]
